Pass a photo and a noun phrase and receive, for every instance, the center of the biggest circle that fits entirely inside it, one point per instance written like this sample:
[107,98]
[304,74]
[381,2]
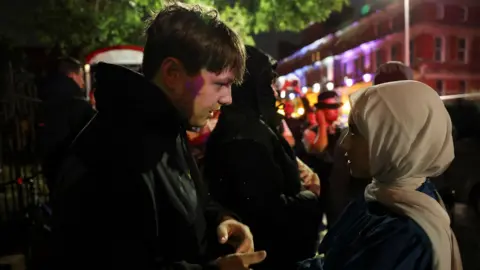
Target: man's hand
[240,261]
[309,178]
[321,120]
[236,234]
[305,172]
[308,139]
[313,184]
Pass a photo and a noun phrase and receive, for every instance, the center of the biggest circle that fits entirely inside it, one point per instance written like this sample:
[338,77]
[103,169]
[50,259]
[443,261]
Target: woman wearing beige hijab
[399,134]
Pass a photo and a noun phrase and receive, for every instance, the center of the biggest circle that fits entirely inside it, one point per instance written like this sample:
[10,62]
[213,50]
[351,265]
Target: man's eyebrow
[228,79]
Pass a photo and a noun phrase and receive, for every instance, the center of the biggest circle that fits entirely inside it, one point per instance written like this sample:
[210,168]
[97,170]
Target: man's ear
[171,71]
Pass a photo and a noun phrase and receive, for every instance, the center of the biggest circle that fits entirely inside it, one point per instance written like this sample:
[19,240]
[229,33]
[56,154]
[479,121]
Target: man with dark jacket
[130,195]
[63,113]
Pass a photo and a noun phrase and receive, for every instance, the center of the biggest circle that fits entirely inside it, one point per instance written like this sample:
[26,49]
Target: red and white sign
[120,55]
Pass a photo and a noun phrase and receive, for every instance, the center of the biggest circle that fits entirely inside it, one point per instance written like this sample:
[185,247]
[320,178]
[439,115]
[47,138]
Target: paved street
[467,230]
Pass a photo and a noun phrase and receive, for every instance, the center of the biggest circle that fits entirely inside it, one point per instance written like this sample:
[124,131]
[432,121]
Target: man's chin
[198,123]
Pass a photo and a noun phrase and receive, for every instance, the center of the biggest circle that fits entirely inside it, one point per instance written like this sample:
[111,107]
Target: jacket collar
[125,95]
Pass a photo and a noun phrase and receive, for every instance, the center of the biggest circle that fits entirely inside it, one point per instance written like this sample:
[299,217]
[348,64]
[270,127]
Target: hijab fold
[409,134]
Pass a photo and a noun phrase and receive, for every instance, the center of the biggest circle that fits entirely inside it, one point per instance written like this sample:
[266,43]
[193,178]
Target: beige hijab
[409,136]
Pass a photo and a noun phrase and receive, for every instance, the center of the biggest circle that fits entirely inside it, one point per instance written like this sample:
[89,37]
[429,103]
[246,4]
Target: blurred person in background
[64,111]
[391,72]
[320,140]
[253,171]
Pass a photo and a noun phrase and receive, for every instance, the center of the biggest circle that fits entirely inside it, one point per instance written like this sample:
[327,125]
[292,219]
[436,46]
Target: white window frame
[440,12]
[442,49]
[465,14]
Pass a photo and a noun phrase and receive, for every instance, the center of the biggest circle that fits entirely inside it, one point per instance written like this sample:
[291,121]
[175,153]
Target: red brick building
[444,48]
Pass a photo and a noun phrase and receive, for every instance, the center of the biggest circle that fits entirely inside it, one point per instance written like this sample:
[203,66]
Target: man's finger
[253,257]
[222,233]
[246,246]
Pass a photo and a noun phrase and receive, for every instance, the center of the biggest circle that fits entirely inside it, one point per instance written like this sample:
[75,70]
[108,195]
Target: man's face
[288,109]
[78,77]
[331,115]
[204,94]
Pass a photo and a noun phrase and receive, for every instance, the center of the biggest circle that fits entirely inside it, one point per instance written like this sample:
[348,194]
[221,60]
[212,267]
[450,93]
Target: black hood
[255,95]
[121,92]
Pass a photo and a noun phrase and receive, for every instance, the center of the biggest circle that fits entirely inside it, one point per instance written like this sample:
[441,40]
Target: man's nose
[227,98]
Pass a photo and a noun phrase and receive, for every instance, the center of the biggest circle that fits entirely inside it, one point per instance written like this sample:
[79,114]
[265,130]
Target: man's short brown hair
[391,72]
[197,37]
[67,65]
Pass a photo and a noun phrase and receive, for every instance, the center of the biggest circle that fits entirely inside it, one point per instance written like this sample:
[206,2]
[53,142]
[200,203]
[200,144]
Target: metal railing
[21,185]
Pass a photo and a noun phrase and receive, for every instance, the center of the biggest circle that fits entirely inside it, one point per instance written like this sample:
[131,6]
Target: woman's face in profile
[357,153]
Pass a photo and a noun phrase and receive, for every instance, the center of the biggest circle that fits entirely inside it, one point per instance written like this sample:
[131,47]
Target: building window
[465,14]
[358,66]
[379,58]
[439,86]
[394,53]
[440,11]
[462,87]
[412,51]
[438,49]
[462,50]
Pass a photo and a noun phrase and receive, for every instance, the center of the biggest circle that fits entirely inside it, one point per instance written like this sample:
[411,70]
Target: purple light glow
[363,48]
[367,77]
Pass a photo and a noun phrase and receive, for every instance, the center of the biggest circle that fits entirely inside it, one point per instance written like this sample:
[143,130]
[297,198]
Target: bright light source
[281,111]
[300,111]
[367,77]
[86,68]
[330,86]
[316,88]
[304,89]
[283,94]
[346,107]
[291,95]
[348,81]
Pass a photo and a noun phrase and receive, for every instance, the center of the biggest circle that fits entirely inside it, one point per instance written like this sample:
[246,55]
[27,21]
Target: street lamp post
[406,12]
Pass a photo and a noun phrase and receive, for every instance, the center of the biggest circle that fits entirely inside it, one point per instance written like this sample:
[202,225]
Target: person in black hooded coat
[253,171]
[63,113]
